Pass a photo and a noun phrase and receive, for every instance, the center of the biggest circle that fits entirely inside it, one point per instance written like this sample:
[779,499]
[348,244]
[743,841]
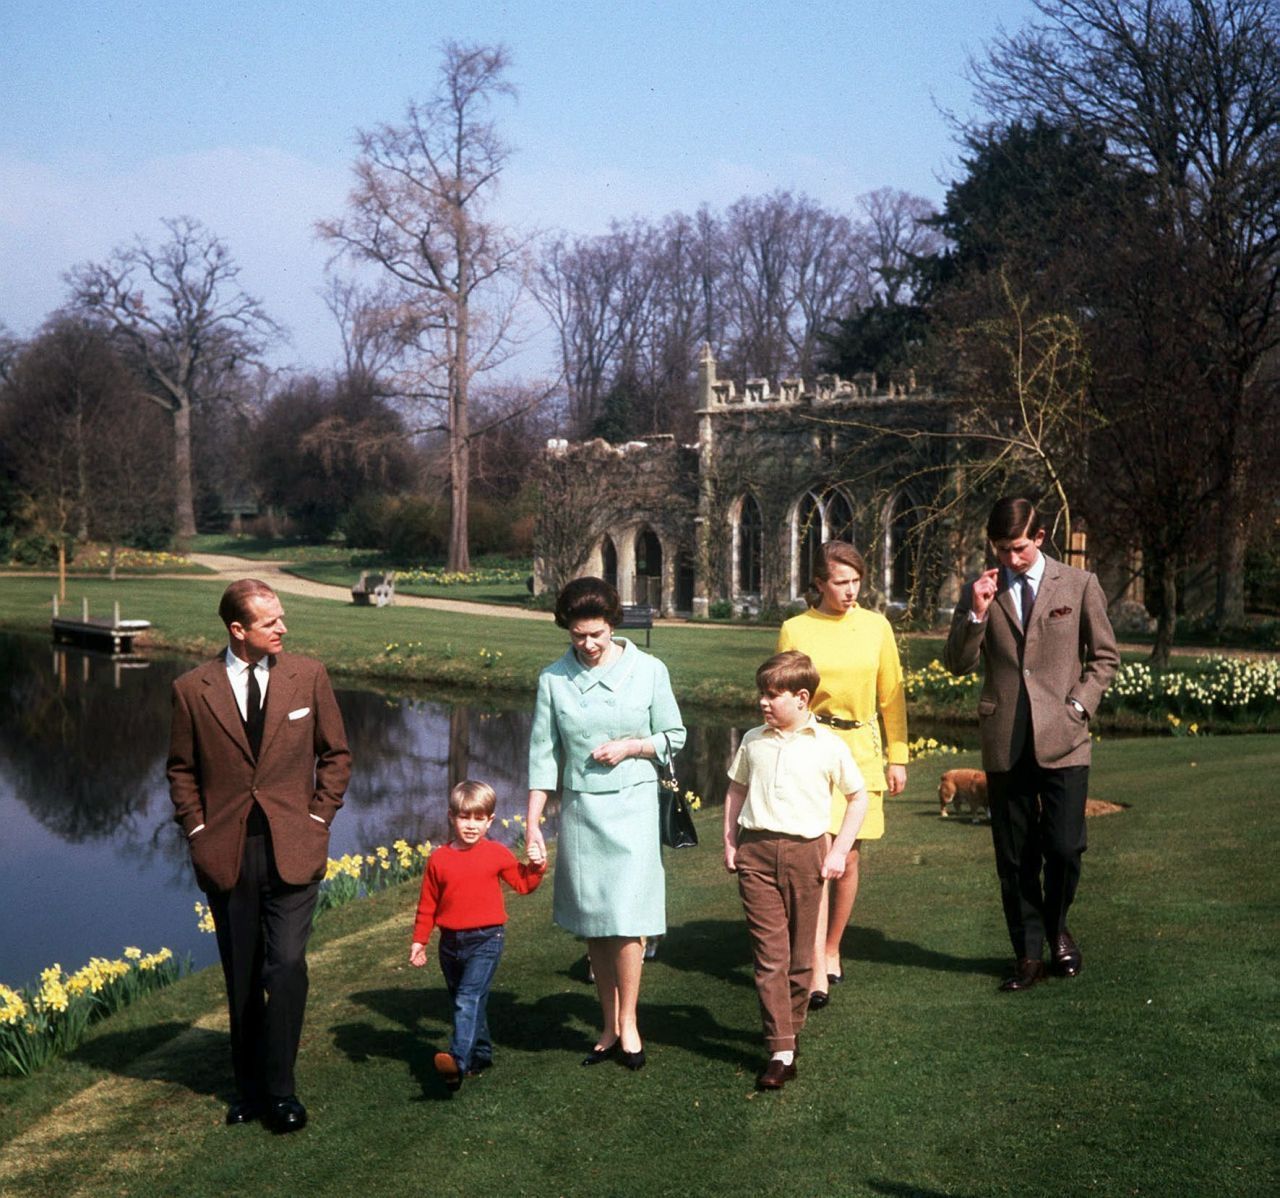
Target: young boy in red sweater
[461,896]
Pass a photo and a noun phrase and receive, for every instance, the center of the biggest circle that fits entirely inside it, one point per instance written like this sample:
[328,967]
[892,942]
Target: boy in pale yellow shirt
[776,841]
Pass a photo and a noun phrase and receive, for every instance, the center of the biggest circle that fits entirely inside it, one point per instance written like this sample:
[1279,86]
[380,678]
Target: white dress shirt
[238,676]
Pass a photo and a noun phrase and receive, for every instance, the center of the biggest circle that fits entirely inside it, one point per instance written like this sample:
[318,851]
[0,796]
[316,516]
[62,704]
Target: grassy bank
[1152,1073]
[712,667]
[439,647]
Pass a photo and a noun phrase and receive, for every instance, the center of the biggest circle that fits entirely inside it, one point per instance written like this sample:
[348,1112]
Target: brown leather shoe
[1030,971]
[775,1076]
[1067,959]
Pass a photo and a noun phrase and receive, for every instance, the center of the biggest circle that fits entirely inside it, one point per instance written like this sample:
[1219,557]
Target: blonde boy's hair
[472,798]
[790,671]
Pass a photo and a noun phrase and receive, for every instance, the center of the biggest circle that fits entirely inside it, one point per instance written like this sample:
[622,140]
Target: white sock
[785,1055]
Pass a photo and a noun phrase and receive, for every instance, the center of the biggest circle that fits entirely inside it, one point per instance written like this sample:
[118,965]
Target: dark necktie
[1028,600]
[253,719]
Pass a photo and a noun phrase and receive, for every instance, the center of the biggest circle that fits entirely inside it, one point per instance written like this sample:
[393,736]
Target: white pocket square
[297,715]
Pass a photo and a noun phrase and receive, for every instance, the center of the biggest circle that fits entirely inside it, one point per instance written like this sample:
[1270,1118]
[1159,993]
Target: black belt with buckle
[844,725]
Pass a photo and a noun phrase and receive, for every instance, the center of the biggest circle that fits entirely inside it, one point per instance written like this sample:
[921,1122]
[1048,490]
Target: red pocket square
[1058,612]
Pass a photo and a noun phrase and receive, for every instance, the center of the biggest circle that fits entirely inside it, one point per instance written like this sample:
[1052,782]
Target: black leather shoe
[286,1114]
[632,1060]
[1067,959]
[818,999]
[598,1055]
[835,979]
[1030,971]
[243,1110]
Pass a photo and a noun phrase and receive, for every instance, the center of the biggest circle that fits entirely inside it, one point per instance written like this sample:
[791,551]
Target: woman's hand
[614,751]
[896,776]
[535,847]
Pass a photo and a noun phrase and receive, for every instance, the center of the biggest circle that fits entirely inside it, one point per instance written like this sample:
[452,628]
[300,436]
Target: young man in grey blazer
[1041,631]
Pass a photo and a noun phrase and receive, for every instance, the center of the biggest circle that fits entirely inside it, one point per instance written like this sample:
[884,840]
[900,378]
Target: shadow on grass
[720,948]
[904,1189]
[555,1023]
[871,944]
[172,1052]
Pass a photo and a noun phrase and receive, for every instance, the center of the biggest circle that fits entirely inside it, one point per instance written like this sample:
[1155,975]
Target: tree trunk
[1167,621]
[1233,535]
[459,446]
[184,511]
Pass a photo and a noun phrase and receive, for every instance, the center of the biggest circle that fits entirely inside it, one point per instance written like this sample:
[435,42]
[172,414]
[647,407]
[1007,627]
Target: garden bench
[638,615]
[374,586]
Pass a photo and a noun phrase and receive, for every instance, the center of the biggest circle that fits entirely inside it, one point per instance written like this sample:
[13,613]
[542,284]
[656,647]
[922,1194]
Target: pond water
[90,858]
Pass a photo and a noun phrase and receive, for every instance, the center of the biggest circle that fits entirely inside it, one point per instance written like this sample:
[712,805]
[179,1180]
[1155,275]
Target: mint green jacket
[578,710]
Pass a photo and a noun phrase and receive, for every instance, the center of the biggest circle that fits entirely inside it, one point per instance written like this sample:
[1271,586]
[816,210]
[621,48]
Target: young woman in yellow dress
[861,698]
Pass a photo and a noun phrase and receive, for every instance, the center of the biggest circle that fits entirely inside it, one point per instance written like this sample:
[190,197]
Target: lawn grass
[712,666]
[1154,1072]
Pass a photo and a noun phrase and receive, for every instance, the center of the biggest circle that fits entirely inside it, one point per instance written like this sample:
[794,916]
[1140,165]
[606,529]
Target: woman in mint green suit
[605,716]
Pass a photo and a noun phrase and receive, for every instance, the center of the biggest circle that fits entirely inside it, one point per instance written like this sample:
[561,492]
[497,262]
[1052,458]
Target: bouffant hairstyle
[790,671]
[472,798]
[1012,518]
[234,606]
[588,599]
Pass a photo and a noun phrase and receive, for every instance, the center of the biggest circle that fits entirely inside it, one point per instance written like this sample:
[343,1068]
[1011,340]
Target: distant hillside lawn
[1153,1073]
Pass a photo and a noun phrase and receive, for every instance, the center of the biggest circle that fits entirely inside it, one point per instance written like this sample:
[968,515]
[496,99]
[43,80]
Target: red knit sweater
[460,888]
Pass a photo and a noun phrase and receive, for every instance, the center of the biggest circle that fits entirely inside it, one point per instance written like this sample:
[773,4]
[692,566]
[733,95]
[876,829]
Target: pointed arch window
[750,546]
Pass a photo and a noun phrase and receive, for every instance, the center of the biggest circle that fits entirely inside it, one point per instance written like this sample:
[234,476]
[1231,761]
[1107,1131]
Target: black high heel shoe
[598,1055]
[632,1060]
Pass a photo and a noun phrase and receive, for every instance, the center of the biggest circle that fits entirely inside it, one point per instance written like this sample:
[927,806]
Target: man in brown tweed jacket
[258,764]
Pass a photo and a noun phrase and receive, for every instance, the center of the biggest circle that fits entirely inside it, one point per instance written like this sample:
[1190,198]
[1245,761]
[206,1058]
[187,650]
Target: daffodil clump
[354,875]
[927,746]
[1233,688]
[140,559]
[1224,686]
[421,576]
[46,1019]
[936,682]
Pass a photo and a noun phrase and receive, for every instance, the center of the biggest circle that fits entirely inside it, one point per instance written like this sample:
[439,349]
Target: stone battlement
[717,395]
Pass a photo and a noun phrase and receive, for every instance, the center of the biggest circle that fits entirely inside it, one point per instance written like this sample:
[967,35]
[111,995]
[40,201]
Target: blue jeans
[468,960]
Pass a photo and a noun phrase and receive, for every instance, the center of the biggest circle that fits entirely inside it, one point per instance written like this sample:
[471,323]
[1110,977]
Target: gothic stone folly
[732,523]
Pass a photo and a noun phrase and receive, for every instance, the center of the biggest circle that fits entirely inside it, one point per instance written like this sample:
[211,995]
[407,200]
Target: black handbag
[675,817]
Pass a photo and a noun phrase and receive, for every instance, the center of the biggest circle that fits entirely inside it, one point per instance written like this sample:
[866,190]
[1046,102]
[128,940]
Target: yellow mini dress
[861,680]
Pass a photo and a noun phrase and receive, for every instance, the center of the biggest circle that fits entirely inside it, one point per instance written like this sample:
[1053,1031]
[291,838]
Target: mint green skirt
[609,879]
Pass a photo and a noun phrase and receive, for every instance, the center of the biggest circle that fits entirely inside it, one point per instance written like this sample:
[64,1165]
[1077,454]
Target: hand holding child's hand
[535,847]
[417,955]
[614,751]
[833,865]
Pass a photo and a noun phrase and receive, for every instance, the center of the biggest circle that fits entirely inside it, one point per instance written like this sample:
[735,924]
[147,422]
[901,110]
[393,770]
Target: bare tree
[900,235]
[1188,93]
[180,312]
[371,345]
[418,212]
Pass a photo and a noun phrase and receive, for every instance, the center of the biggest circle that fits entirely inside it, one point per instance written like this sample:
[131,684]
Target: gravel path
[275,574]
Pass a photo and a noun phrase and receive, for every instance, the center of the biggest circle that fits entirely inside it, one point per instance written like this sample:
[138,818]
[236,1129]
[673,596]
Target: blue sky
[117,114]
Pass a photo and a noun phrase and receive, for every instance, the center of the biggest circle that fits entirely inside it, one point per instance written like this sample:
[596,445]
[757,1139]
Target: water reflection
[90,859]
